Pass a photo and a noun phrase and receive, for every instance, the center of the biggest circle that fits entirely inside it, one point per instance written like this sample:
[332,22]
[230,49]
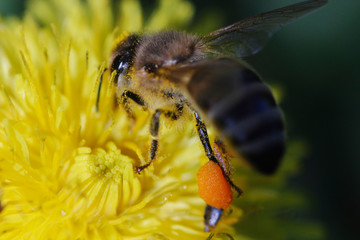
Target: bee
[173,74]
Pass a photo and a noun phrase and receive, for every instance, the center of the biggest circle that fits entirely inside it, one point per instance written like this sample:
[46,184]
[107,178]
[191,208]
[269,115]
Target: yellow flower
[66,168]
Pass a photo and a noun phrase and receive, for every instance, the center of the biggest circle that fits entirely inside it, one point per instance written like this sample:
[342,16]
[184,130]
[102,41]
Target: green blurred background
[316,62]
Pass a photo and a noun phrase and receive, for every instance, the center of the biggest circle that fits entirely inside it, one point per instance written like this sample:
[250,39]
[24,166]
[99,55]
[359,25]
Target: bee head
[123,58]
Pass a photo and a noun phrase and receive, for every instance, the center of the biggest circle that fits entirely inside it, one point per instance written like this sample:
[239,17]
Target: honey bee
[173,74]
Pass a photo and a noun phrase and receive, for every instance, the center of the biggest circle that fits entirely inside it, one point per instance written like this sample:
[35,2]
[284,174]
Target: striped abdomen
[243,108]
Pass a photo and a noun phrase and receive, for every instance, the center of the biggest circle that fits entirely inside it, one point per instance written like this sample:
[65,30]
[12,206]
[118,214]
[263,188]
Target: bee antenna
[99,90]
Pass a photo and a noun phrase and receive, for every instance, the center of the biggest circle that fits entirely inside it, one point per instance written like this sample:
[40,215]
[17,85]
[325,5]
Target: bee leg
[154,130]
[221,156]
[212,216]
[124,101]
[232,184]
[174,115]
[201,129]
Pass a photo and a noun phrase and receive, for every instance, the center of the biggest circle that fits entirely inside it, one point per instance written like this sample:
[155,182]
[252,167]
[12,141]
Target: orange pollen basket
[213,187]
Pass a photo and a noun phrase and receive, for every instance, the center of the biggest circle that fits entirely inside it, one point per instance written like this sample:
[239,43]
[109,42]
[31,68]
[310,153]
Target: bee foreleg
[124,101]
[204,138]
[174,115]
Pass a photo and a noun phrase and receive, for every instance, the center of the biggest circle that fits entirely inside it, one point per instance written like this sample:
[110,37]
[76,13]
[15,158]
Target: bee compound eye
[151,67]
[120,64]
[115,63]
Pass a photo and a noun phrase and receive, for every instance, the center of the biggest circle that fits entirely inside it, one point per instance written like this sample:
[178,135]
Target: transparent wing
[239,104]
[250,35]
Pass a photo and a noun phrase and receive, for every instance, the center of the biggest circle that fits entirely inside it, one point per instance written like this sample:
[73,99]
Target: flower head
[66,165]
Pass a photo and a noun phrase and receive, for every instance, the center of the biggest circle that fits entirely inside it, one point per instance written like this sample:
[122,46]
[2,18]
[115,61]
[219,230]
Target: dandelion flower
[66,166]
[67,169]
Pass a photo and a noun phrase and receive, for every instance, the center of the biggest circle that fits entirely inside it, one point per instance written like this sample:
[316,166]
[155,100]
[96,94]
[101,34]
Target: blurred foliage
[15,7]
[315,60]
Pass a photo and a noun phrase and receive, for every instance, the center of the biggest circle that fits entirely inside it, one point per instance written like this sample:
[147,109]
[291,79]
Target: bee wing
[250,35]
[239,104]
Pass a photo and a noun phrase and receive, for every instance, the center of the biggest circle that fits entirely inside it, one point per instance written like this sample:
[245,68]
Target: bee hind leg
[217,157]
[212,214]
[204,138]
[222,157]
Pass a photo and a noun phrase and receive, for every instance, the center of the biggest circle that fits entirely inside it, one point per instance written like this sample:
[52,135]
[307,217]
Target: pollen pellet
[213,187]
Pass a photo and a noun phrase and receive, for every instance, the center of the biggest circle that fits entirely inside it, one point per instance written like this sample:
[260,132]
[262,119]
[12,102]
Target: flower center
[106,178]
[111,164]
